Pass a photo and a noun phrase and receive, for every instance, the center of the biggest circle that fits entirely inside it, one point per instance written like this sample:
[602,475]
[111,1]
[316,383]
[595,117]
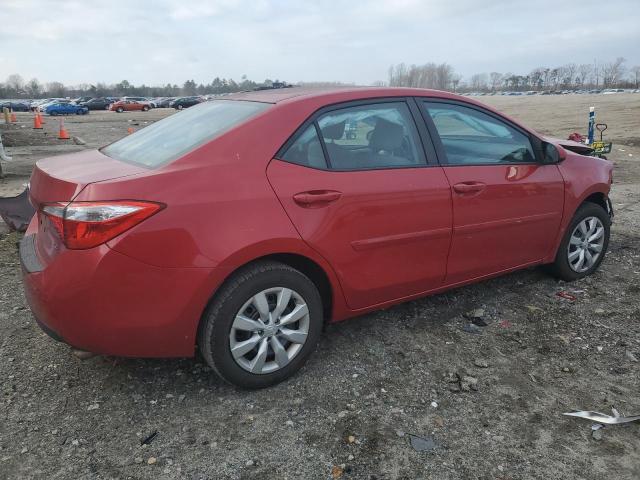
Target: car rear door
[367,199]
[507,206]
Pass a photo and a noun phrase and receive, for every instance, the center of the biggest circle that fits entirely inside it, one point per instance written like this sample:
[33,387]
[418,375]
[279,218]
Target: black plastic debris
[17,211]
[149,439]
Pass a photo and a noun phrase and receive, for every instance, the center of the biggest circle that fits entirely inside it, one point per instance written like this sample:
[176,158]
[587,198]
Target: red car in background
[242,225]
[129,106]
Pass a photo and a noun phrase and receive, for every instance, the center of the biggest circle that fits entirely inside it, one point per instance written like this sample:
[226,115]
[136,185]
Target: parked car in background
[43,106]
[129,106]
[80,100]
[15,106]
[434,191]
[185,102]
[143,100]
[164,102]
[65,109]
[100,103]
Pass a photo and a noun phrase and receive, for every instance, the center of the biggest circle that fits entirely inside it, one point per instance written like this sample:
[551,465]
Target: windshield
[172,137]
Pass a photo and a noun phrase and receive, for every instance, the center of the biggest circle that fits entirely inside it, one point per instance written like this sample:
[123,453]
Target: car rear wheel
[584,244]
[119,109]
[262,325]
[180,107]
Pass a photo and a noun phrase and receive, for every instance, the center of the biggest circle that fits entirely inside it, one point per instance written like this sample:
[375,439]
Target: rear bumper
[105,302]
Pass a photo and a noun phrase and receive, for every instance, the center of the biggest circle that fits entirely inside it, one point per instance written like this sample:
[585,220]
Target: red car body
[128,106]
[391,235]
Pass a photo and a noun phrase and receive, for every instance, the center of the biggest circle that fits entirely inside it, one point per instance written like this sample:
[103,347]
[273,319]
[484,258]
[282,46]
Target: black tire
[215,326]
[560,267]
[145,108]
[119,109]
[180,107]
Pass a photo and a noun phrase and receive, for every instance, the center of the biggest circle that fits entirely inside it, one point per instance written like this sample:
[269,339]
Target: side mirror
[552,153]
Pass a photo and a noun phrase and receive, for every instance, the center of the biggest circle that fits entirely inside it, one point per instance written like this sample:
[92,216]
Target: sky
[169,41]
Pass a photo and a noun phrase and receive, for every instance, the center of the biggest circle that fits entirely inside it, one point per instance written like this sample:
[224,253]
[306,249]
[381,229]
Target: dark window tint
[470,137]
[172,137]
[371,136]
[306,150]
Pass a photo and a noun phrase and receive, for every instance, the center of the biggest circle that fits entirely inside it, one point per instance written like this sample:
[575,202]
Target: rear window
[172,137]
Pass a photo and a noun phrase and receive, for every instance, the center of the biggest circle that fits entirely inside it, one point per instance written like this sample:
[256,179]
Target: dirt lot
[374,380]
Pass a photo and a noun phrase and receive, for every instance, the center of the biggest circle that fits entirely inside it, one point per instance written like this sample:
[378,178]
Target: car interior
[357,140]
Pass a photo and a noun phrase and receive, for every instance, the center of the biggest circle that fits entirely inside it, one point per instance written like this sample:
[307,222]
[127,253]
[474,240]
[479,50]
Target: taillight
[84,225]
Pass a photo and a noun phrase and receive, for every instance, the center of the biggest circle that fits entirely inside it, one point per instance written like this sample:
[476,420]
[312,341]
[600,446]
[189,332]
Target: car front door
[507,206]
[367,200]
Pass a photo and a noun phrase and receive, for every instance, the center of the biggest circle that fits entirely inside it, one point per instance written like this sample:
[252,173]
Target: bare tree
[495,80]
[635,71]
[584,71]
[15,83]
[570,70]
[612,72]
[429,75]
[478,81]
[34,89]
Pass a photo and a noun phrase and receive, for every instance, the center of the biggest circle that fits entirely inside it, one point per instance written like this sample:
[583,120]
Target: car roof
[278,95]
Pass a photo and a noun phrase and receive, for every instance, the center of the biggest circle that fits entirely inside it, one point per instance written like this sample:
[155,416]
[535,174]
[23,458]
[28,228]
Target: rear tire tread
[212,313]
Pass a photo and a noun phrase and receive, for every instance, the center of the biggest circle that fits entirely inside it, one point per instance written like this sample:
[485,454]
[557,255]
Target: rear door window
[371,136]
[174,136]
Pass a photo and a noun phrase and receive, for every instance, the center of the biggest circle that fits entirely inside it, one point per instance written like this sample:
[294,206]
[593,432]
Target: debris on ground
[422,444]
[17,211]
[603,418]
[150,438]
[566,296]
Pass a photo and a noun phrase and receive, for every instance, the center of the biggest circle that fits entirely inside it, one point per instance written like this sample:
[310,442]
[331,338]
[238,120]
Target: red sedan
[242,225]
[129,106]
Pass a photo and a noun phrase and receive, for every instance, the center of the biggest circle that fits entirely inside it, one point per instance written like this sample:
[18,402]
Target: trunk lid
[61,178]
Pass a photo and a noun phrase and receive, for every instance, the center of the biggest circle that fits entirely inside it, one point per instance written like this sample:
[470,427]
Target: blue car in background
[65,109]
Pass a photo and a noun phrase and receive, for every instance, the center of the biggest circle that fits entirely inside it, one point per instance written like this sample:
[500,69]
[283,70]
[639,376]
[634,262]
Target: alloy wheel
[269,330]
[586,244]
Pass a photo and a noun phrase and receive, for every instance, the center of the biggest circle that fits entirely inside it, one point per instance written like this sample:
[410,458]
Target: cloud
[161,41]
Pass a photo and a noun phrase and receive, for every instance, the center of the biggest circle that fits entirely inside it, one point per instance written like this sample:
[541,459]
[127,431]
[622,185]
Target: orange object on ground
[39,114]
[37,123]
[63,135]
[14,119]
[130,130]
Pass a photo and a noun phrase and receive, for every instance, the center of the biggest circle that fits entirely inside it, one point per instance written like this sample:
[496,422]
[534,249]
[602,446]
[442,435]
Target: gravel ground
[482,402]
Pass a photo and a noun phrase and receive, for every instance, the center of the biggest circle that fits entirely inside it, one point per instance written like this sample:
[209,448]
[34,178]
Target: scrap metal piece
[17,211]
[602,418]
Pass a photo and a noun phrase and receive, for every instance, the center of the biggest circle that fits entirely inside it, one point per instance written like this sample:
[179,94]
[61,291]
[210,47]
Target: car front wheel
[584,244]
[262,325]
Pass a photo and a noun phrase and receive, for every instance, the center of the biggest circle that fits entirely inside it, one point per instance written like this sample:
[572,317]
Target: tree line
[16,87]
[613,74]
[442,76]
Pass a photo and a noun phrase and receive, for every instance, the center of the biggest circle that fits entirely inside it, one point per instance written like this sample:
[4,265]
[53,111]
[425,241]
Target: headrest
[334,131]
[386,135]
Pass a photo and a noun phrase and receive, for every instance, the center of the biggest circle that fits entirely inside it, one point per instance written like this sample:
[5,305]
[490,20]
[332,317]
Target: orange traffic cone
[37,123]
[39,114]
[14,119]
[130,130]
[63,135]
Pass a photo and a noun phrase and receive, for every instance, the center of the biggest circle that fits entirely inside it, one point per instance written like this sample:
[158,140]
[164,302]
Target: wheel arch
[324,280]
[597,195]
